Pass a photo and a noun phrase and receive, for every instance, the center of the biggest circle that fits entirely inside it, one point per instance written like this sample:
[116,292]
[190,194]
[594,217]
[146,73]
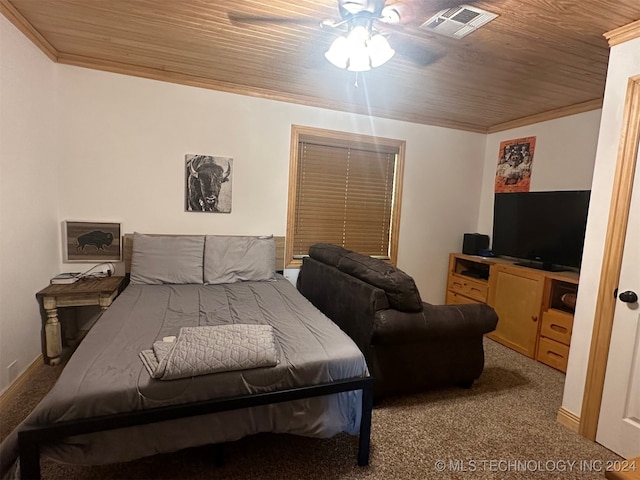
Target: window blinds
[344,196]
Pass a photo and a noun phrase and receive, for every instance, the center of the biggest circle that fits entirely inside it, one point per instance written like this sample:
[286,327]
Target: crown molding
[550,115]
[28,30]
[623,34]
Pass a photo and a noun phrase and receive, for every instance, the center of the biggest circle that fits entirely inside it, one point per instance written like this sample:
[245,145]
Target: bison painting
[96,238]
[205,176]
[91,241]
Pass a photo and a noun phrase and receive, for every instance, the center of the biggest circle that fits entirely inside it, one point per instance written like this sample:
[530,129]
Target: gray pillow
[230,259]
[158,259]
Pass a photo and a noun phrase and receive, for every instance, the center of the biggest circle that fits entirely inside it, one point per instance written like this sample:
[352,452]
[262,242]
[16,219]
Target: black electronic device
[473,243]
[542,229]
[480,271]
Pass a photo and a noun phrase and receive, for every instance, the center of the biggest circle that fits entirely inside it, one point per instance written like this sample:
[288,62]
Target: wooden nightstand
[88,291]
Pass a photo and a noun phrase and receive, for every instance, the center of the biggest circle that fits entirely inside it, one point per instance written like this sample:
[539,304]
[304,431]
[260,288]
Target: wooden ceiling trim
[550,115]
[623,34]
[28,30]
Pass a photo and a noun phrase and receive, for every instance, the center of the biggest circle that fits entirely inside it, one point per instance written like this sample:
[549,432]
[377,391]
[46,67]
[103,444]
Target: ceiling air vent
[458,22]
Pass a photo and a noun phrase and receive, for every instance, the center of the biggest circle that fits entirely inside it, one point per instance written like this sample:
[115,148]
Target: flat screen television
[542,229]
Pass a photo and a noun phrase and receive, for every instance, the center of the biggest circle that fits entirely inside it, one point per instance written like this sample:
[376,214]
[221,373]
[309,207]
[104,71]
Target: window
[343,189]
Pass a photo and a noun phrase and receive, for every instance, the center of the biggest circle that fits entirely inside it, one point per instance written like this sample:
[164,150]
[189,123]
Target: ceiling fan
[371,31]
[373,10]
[363,47]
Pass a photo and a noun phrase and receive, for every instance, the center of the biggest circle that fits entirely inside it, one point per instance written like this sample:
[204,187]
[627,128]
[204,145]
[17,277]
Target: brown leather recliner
[409,345]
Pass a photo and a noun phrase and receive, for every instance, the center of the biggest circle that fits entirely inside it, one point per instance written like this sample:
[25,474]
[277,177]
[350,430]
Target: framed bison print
[91,242]
[208,184]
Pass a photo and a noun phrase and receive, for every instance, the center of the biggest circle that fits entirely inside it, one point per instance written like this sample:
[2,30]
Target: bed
[107,408]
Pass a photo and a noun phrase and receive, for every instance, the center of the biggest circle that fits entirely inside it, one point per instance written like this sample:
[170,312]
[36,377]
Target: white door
[619,421]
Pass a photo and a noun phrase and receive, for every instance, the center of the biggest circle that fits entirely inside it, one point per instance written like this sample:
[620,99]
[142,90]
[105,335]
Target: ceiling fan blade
[418,53]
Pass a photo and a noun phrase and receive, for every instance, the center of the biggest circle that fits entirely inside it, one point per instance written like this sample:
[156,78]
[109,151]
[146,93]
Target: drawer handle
[553,354]
[457,284]
[475,289]
[534,318]
[558,328]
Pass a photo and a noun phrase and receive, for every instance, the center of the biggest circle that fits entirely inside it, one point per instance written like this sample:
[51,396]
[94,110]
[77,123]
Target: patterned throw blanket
[211,349]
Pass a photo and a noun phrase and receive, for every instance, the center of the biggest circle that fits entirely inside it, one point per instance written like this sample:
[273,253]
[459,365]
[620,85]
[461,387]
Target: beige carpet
[503,428]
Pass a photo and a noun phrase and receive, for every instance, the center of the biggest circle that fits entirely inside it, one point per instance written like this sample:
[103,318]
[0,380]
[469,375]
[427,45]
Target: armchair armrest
[434,322]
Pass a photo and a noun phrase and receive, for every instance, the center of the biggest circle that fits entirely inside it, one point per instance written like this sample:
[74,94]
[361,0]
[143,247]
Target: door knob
[628,297]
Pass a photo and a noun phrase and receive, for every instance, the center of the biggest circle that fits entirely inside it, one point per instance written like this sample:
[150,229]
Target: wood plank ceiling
[538,59]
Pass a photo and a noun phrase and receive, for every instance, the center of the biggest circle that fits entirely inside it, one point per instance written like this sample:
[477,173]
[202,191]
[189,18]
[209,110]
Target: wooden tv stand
[532,318]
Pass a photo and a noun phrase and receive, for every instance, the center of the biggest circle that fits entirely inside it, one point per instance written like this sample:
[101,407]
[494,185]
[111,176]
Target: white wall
[624,62]
[29,239]
[106,147]
[563,160]
[572,153]
[123,146]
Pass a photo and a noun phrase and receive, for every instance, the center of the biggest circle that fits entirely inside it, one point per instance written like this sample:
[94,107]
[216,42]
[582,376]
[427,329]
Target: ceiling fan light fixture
[359,60]
[350,53]
[379,50]
[358,37]
[362,48]
[338,53]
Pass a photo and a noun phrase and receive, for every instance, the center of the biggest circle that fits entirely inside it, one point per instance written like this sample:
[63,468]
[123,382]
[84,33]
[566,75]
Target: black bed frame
[31,438]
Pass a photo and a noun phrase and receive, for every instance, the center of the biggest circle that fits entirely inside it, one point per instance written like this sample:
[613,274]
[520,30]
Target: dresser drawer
[557,325]
[553,353]
[468,288]
[454,298]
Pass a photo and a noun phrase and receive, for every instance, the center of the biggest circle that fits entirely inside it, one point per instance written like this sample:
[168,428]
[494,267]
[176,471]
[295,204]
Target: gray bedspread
[105,375]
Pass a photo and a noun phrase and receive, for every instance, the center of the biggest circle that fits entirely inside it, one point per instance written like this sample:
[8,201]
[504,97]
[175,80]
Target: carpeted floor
[503,428]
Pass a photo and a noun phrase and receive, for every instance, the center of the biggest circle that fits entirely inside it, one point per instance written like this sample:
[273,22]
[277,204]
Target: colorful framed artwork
[515,160]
